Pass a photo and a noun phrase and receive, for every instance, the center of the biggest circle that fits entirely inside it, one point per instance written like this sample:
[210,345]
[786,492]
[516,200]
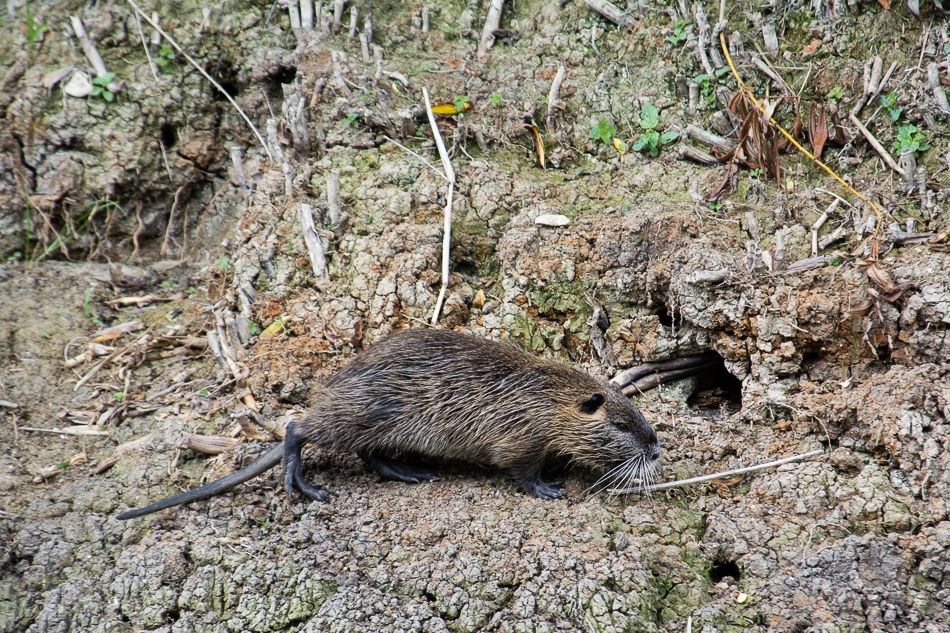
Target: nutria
[454,397]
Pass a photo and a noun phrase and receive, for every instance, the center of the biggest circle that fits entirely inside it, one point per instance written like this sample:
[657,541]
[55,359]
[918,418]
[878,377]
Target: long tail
[267,461]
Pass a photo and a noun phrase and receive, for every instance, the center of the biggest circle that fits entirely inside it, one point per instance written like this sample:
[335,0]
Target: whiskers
[636,474]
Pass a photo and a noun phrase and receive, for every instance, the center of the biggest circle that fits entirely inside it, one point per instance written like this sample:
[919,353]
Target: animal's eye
[592,404]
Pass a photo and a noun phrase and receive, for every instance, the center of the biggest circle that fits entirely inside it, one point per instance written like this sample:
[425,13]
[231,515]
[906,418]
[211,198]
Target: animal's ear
[593,403]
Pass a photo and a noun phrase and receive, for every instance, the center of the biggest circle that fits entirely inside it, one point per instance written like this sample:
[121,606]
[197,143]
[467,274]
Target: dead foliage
[759,144]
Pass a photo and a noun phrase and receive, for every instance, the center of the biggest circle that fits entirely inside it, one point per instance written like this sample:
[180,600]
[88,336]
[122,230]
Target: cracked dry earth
[855,540]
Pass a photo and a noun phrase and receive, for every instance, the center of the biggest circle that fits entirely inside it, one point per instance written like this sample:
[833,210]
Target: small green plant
[350,119]
[165,57]
[910,140]
[496,100]
[34,31]
[715,206]
[100,87]
[890,102]
[836,94]
[88,310]
[708,83]
[119,396]
[603,132]
[203,393]
[678,36]
[651,140]
[461,103]
[755,173]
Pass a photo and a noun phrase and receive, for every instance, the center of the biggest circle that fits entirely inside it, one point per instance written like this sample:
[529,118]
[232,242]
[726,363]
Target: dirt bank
[226,328]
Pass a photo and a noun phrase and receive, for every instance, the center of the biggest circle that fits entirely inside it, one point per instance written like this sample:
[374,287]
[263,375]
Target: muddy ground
[131,213]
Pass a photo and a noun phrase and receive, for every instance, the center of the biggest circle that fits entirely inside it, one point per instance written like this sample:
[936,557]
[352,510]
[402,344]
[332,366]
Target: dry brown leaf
[726,187]
[538,144]
[817,129]
[881,277]
[811,48]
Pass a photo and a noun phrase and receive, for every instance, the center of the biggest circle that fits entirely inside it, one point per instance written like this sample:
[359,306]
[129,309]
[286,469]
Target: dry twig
[318,259]
[873,142]
[492,22]
[611,12]
[88,47]
[553,94]
[722,475]
[449,175]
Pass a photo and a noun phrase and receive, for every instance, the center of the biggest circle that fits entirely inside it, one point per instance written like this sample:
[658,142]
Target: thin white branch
[306,15]
[148,55]
[728,473]
[88,47]
[443,154]
[447,218]
[293,8]
[417,155]
[492,22]
[553,94]
[311,237]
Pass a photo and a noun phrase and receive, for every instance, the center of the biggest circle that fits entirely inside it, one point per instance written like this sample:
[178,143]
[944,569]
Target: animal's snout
[653,448]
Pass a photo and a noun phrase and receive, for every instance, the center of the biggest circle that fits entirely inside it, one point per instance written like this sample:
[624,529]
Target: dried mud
[855,540]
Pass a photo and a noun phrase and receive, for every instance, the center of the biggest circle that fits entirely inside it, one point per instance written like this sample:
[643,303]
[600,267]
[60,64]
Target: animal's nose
[655,452]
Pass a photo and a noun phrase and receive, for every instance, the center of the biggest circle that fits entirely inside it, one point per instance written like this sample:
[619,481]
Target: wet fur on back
[458,397]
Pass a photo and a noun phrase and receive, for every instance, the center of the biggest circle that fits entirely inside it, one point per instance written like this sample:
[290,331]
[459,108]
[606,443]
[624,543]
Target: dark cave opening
[724,569]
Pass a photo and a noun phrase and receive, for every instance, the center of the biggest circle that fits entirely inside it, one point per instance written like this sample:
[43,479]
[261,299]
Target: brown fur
[447,396]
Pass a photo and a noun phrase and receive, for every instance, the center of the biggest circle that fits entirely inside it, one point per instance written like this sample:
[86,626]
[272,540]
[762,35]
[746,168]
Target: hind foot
[293,467]
[400,471]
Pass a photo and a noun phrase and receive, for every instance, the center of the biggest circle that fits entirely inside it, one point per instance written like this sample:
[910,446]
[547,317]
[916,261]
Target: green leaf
[669,136]
[603,131]
[108,96]
[103,80]
[649,116]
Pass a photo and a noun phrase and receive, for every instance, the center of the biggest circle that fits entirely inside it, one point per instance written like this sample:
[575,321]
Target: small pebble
[552,219]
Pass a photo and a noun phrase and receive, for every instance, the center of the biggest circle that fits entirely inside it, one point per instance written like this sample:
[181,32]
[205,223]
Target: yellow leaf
[275,327]
[538,145]
[620,145]
[449,109]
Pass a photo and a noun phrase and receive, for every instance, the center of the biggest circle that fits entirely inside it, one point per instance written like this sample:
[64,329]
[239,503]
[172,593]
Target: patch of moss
[534,337]
[565,297]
